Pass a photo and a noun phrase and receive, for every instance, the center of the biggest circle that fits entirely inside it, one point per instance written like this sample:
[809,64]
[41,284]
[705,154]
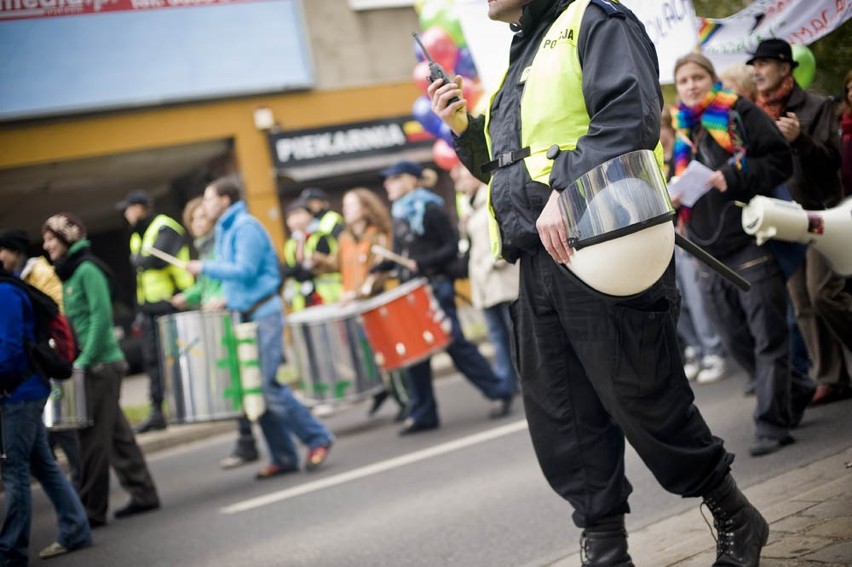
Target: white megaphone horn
[829,231]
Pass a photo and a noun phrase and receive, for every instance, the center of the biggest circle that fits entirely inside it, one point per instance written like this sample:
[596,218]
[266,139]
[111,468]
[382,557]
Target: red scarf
[773,103]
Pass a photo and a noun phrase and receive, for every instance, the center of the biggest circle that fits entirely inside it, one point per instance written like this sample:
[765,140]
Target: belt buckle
[504,159]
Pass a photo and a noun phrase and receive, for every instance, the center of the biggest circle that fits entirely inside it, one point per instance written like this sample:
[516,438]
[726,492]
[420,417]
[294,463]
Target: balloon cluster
[444,40]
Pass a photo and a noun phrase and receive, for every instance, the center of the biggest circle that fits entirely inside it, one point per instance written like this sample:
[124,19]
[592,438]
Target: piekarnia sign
[301,147]
[26,9]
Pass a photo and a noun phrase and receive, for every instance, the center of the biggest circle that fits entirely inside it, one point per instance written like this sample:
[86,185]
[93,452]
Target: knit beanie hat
[68,228]
[14,239]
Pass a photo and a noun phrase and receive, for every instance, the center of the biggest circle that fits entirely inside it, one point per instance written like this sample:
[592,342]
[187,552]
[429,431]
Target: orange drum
[405,325]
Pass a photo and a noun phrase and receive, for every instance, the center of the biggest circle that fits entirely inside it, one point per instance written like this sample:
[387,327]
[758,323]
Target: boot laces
[723,535]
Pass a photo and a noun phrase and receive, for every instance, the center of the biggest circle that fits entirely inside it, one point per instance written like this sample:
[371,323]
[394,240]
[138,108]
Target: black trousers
[753,327]
[151,359]
[596,370]
[110,442]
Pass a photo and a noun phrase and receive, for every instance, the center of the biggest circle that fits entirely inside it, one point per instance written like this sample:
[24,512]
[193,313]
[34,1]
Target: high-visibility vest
[553,109]
[154,285]
[328,221]
[328,286]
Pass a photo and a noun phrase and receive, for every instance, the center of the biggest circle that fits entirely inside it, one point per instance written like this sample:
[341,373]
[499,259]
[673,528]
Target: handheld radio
[435,70]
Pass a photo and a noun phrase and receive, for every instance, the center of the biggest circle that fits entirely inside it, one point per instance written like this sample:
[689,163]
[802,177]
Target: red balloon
[421,75]
[444,155]
[472,91]
[441,47]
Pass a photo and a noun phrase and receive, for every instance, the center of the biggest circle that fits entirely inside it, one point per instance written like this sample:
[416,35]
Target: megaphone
[829,231]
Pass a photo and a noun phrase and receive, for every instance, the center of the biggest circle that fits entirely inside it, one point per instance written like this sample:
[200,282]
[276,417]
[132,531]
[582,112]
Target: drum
[333,354]
[405,325]
[66,406]
[201,371]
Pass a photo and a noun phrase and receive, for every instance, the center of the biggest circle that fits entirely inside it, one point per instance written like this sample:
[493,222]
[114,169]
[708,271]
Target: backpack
[55,348]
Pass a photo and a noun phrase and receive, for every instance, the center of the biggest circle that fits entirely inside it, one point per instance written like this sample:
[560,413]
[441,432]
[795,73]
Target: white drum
[201,371]
[66,406]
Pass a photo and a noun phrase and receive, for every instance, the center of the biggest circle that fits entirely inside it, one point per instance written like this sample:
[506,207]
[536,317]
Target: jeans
[25,442]
[423,409]
[498,322]
[693,325]
[284,413]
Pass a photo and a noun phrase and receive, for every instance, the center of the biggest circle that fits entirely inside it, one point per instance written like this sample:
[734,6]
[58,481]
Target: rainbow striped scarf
[714,114]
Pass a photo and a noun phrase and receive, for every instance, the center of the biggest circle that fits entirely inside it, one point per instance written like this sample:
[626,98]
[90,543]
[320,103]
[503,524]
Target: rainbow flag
[707,29]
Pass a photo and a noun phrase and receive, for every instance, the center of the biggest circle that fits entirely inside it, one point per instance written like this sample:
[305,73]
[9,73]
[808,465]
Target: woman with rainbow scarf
[749,156]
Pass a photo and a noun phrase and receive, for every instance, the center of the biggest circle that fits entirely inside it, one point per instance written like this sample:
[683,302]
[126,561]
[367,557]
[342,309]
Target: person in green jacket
[109,440]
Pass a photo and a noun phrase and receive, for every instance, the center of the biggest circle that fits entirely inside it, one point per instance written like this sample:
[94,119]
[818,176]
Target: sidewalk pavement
[809,509]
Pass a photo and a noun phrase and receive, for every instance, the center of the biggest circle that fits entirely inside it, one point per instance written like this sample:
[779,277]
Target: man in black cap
[156,283]
[325,220]
[819,296]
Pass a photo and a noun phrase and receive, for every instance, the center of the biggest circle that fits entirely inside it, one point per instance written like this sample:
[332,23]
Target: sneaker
[271,471]
[713,369]
[236,460]
[317,456]
[691,369]
[55,549]
[766,445]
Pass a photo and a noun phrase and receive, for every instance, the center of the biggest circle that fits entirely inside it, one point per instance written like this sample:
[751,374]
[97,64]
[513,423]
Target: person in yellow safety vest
[581,88]
[325,220]
[310,272]
[157,282]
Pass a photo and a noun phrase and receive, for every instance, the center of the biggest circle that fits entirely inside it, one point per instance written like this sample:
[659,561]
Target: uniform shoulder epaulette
[610,8]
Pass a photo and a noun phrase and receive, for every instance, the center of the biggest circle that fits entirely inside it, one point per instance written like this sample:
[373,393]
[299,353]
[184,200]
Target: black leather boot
[605,544]
[741,530]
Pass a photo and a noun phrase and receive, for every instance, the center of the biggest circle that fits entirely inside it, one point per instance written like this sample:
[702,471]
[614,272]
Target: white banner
[734,38]
[671,24]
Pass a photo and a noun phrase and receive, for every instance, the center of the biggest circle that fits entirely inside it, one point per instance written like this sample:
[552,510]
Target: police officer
[325,220]
[156,282]
[310,269]
[581,88]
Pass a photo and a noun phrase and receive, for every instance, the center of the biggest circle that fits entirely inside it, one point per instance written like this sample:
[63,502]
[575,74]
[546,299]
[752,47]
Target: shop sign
[303,147]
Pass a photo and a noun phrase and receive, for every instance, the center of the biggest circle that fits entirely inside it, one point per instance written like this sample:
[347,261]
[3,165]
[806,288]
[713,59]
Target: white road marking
[376,468]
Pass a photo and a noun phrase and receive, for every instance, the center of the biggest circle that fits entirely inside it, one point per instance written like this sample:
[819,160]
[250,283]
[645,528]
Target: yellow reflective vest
[328,286]
[553,108]
[155,285]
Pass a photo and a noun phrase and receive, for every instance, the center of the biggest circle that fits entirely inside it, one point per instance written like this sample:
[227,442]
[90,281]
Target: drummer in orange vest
[368,223]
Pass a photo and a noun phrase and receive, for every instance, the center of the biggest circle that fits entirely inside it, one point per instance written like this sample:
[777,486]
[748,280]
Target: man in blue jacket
[24,449]
[248,268]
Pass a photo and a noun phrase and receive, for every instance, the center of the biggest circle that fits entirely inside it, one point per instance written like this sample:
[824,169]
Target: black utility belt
[505,159]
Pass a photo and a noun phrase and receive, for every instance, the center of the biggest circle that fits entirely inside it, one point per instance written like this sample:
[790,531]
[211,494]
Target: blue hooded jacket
[17,325]
[245,263]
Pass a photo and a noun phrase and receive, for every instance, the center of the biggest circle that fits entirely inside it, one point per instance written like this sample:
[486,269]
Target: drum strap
[506,159]
[249,313]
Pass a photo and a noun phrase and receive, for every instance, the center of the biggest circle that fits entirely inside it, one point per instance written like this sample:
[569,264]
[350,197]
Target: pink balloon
[441,47]
[444,155]
[421,75]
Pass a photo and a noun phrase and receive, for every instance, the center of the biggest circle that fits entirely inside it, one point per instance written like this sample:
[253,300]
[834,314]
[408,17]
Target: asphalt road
[469,494]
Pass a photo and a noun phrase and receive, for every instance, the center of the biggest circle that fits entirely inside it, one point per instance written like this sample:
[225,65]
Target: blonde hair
[699,60]
[741,78]
[188,210]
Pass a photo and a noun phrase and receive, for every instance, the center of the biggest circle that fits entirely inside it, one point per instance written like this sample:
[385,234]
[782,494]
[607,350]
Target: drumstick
[393,256]
[168,258]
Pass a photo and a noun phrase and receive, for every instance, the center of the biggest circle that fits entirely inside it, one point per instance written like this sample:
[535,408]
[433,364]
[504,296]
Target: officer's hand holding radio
[452,112]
